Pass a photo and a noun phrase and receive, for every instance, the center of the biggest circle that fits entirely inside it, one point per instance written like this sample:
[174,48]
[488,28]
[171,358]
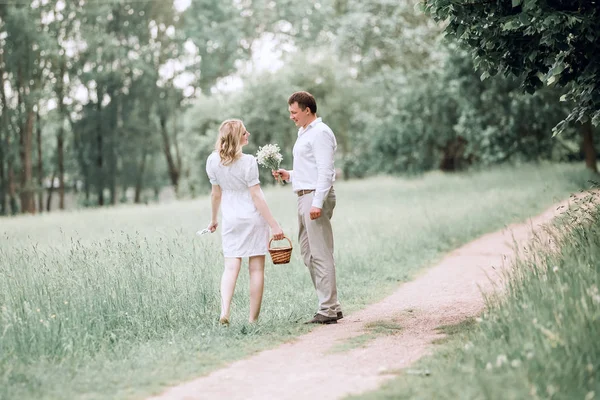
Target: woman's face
[245,136]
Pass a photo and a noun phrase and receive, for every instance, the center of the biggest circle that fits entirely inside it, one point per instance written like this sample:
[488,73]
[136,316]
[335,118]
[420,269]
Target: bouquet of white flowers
[269,156]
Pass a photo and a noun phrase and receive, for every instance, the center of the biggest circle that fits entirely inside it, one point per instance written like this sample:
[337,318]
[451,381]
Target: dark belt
[303,192]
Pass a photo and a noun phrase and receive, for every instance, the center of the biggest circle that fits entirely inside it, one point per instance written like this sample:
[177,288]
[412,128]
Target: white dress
[244,231]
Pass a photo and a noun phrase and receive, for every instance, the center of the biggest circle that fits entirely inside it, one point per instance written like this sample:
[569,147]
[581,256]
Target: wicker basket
[280,255]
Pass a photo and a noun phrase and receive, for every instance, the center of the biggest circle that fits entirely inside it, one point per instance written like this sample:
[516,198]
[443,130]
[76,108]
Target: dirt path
[445,294]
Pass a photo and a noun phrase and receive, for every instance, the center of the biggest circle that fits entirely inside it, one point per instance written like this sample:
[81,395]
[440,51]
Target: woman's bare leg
[256,265]
[228,280]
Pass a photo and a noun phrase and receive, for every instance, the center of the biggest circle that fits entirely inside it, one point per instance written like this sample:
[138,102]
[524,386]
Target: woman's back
[237,176]
[245,232]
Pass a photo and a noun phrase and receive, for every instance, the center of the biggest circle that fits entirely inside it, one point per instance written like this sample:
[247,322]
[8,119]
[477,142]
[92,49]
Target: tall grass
[121,302]
[541,341]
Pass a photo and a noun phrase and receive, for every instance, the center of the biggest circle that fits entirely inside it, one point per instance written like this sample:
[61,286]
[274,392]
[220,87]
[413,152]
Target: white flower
[501,360]
[269,156]
[594,294]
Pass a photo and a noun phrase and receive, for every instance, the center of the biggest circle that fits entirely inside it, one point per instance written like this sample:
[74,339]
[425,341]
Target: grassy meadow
[538,341]
[119,303]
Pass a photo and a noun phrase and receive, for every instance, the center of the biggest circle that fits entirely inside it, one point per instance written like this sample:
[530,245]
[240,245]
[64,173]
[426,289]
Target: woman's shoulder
[248,158]
[213,158]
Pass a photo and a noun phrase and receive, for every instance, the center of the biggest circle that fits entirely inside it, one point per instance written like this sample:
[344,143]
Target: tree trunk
[453,155]
[12,191]
[113,190]
[40,166]
[8,187]
[139,184]
[3,207]
[113,158]
[4,142]
[50,192]
[60,138]
[99,151]
[588,146]
[173,169]
[82,159]
[60,150]
[26,139]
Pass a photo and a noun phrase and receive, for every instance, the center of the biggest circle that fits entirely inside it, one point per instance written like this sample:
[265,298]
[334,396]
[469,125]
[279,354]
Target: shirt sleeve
[210,171]
[252,173]
[324,147]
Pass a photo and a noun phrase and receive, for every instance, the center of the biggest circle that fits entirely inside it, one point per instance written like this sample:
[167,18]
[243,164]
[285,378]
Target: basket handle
[284,237]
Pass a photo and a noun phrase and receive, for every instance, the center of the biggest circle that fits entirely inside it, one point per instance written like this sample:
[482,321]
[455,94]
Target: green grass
[373,330]
[451,331]
[119,303]
[540,340]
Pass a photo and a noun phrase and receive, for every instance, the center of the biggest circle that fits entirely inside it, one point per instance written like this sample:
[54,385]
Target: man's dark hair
[304,99]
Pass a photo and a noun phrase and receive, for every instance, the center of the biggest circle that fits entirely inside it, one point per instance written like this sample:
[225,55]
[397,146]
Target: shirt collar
[302,130]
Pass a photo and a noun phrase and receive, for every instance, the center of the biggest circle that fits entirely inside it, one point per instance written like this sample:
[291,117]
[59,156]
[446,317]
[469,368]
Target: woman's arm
[215,203]
[263,209]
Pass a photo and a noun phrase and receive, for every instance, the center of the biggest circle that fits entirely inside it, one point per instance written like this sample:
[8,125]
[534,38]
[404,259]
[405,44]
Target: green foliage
[116,75]
[262,106]
[114,84]
[448,118]
[380,35]
[222,34]
[542,42]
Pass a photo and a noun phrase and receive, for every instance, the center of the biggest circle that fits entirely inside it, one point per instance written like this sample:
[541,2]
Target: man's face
[298,115]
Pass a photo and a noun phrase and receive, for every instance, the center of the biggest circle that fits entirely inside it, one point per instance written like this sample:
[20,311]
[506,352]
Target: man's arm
[285,174]
[324,147]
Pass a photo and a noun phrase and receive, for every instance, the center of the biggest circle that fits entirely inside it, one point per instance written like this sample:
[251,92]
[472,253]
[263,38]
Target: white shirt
[313,161]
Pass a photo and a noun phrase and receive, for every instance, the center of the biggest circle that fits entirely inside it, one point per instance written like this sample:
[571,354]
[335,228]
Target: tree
[550,42]
[379,35]
[25,73]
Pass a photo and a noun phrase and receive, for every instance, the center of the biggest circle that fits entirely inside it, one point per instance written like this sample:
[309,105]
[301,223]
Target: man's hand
[315,212]
[282,173]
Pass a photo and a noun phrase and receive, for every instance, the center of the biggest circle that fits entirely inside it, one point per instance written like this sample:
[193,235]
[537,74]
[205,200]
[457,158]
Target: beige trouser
[316,245]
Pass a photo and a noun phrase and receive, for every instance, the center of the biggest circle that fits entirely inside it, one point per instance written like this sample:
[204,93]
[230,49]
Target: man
[312,179]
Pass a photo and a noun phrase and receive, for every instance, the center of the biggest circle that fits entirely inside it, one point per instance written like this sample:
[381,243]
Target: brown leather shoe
[337,317]
[321,319]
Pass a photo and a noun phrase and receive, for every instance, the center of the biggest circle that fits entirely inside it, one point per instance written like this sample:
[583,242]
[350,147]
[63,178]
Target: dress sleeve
[252,173]
[210,171]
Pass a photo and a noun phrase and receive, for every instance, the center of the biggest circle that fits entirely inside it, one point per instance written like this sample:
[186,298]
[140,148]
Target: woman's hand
[281,173]
[277,232]
[213,226]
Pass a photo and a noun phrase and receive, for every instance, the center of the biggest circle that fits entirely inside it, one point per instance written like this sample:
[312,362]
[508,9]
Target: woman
[245,215]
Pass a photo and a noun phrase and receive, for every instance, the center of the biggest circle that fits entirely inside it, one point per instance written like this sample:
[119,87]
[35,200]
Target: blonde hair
[229,142]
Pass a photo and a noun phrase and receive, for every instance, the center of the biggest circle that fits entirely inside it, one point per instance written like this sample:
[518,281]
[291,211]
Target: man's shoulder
[322,126]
